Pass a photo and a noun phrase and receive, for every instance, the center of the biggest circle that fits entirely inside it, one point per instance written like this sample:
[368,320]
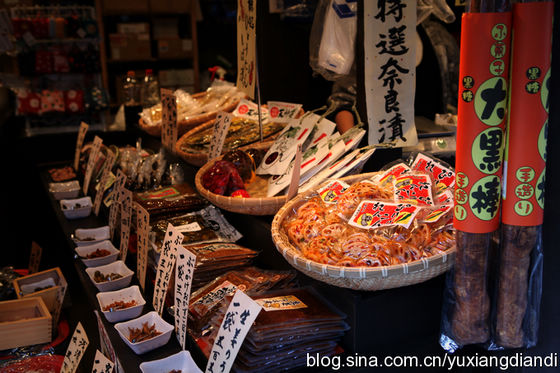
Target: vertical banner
[75,350]
[79,143]
[126,221]
[169,130]
[239,317]
[103,183]
[528,115]
[92,160]
[483,82]
[246,46]
[221,127]
[186,262]
[390,71]
[168,254]
[142,232]
[114,209]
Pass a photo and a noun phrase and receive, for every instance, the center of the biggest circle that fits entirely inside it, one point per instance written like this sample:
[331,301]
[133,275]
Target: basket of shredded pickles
[373,231]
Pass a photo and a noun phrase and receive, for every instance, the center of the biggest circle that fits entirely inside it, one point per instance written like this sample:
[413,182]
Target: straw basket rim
[250,205]
[358,278]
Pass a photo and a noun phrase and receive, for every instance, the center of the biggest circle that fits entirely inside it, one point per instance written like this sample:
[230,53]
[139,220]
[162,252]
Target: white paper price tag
[92,160]
[115,208]
[79,143]
[169,131]
[103,183]
[142,231]
[75,351]
[186,262]
[105,342]
[173,240]
[221,127]
[126,221]
[282,112]
[246,46]
[101,364]
[239,317]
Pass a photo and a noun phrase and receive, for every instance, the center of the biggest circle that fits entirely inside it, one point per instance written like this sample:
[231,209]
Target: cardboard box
[174,48]
[24,322]
[133,28]
[128,47]
[125,7]
[170,6]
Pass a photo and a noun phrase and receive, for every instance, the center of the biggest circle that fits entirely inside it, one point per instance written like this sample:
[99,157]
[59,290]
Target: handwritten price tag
[168,255]
[186,262]
[126,219]
[221,127]
[114,210]
[103,183]
[241,313]
[79,143]
[35,257]
[92,160]
[101,364]
[75,351]
[142,230]
[106,346]
[246,46]
[169,131]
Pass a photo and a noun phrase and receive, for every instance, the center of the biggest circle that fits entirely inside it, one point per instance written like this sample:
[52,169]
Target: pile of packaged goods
[399,215]
[170,199]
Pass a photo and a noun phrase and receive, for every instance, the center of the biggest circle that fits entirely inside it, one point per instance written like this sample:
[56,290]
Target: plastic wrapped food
[223,178]
[174,198]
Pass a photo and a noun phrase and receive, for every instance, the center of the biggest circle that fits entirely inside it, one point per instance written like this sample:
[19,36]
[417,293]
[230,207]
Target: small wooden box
[51,295]
[24,322]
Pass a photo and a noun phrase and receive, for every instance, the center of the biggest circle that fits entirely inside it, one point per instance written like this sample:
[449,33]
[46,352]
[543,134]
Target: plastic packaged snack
[174,198]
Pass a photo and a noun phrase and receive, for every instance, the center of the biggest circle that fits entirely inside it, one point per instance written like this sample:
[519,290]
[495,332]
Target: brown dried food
[119,305]
[517,244]
[137,335]
[100,277]
[62,174]
[99,253]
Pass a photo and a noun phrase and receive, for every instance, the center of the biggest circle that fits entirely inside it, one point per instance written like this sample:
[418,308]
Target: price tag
[250,110]
[75,351]
[126,219]
[92,160]
[169,131]
[114,210]
[239,318]
[282,112]
[221,127]
[246,46]
[59,300]
[173,240]
[142,231]
[186,262]
[106,346]
[35,257]
[101,364]
[79,143]
[103,183]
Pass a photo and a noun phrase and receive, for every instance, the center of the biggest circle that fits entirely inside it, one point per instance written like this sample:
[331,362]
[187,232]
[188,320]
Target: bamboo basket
[184,126]
[358,278]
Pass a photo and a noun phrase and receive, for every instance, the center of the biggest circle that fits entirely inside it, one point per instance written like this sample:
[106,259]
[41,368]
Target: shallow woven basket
[184,126]
[199,159]
[250,206]
[358,278]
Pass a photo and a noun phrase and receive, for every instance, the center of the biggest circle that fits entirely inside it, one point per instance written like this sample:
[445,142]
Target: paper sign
[352,138]
[173,239]
[101,364]
[250,110]
[296,172]
[102,184]
[246,46]
[330,170]
[321,131]
[277,159]
[282,112]
[169,130]
[75,351]
[92,160]
[79,143]
[142,232]
[355,163]
[105,342]
[282,303]
[35,257]
[376,214]
[390,71]
[221,128]
[126,221]
[186,262]
[115,208]
[59,300]
[239,318]
[335,151]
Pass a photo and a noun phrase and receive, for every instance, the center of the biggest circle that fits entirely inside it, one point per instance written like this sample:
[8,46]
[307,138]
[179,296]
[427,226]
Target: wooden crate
[52,296]
[24,322]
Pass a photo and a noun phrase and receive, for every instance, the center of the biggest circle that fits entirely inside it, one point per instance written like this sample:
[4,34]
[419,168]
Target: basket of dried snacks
[318,241]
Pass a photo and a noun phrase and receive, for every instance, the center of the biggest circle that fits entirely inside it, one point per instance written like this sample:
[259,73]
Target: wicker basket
[250,206]
[184,126]
[358,278]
